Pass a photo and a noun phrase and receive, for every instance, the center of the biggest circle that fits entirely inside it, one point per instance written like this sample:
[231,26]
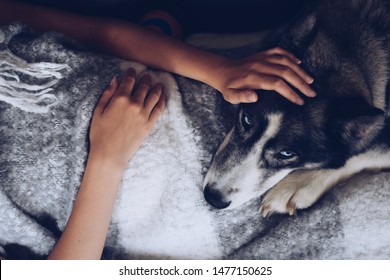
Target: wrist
[110,164]
[214,74]
[198,64]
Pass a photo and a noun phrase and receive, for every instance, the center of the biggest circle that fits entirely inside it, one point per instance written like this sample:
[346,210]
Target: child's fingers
[285,65]
[281,51]
[289,76]
[236,96]
[127,84]
[142,89]
[281,87]
[288,62]
[153,98]
[158,109]
[265,82]
[106,96]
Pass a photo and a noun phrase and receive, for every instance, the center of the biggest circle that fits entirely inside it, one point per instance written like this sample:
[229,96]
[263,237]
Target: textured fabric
[29,97]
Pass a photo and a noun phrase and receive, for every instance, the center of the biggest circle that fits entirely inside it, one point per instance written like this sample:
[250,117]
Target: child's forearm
[86,230]
[45,19]
[158,50]
[118,38]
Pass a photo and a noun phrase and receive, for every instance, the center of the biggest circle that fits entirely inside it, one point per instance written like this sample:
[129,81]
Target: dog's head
[273,137]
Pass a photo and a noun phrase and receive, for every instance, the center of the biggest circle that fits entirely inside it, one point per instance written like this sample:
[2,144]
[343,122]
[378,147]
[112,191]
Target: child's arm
[235,79]
[119,125]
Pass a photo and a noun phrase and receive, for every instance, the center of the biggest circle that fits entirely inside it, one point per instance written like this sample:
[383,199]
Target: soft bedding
[49,86]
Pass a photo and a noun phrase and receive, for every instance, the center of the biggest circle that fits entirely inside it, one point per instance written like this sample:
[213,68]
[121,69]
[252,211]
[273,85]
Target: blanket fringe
[35,98]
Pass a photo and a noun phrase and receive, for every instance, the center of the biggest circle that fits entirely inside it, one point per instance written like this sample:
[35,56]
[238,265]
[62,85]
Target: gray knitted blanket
[49,86]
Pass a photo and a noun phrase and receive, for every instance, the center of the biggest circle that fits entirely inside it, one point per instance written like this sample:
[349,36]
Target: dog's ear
[356,124]
[300,32]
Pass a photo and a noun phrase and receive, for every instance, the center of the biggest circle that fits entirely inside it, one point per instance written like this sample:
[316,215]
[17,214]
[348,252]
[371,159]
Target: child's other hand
[274,69]
[123,118]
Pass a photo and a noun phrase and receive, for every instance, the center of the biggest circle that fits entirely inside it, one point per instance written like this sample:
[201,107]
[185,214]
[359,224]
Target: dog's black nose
[215,198]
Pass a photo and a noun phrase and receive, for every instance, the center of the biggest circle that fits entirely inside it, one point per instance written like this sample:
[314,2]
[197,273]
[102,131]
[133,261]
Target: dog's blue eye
[246,121]
[286,154]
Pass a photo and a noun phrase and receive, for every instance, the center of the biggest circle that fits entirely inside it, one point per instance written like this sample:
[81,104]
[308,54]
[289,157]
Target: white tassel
[28,97]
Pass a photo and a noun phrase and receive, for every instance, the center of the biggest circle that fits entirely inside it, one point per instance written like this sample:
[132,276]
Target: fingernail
[309,80]
[251,97]
[113,80]
[159,87]
[299,101]
[311,93]
[147,79]
[296,59]
[130,72]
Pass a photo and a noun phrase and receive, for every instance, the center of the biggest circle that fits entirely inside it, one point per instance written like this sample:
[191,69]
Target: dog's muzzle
[215,198]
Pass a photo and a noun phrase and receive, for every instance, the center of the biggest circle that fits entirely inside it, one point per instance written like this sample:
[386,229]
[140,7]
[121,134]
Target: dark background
[223,16]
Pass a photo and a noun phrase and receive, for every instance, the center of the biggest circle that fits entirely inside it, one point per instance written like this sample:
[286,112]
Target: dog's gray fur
[345,45]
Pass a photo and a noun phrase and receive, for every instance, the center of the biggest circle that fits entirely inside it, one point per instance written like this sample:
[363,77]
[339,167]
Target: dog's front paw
[299,190]
[278,200]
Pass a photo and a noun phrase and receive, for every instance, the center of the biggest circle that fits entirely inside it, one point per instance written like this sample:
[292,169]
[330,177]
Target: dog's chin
[233,204]
[238,202]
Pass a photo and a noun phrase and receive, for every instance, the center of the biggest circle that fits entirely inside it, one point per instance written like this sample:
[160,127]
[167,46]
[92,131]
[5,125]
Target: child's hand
[123,118]
[275,69]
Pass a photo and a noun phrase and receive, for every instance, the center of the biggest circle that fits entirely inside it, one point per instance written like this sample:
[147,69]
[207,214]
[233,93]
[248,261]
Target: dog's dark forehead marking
[297,122]
[273,103]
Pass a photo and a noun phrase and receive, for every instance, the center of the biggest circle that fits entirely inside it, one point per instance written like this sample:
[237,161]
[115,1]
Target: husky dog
[300,152]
